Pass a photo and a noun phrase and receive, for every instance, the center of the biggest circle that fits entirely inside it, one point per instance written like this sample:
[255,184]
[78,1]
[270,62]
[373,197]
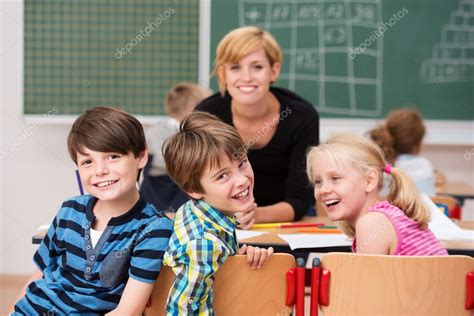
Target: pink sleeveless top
[411,240]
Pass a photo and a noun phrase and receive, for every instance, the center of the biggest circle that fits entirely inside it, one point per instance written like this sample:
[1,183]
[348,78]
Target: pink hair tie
[388,169]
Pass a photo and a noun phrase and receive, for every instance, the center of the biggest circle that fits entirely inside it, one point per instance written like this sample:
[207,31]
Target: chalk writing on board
[315,37]
[452,58]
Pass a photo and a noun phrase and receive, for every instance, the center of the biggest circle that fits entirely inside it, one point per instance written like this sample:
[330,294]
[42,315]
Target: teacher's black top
[280,166]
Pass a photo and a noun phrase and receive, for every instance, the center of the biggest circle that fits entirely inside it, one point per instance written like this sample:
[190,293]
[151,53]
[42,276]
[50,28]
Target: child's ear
[372,180]
[194,195]
[143,159]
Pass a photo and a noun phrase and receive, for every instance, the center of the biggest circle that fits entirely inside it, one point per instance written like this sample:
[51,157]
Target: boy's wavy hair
[364,155]
[200,143]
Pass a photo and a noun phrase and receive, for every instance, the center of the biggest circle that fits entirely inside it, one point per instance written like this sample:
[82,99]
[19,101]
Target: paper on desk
[315,240]
[443,227]
[244,234]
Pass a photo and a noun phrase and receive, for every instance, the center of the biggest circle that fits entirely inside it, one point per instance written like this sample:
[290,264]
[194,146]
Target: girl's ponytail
[404,195]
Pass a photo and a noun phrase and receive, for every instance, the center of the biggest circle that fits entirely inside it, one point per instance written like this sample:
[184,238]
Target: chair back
[238,289]
[396,285]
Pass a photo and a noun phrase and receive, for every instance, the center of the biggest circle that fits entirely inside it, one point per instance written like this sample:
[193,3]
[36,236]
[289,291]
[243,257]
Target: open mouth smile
[241,195]
[105,184]
[332,202]
[247,88]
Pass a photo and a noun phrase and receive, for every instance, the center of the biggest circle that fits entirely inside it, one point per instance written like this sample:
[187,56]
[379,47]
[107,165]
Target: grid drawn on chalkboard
[120,53]
[452,58]
[318,39]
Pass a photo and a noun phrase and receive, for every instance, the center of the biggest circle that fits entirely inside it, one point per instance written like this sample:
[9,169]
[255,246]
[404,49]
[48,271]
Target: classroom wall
[37,174]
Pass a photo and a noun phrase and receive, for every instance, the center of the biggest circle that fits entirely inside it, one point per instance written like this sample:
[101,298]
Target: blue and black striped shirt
[81,279]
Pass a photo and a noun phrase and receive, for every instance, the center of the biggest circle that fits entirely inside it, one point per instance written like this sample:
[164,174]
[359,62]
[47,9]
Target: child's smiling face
[229,186]
[111,177]
[341,188]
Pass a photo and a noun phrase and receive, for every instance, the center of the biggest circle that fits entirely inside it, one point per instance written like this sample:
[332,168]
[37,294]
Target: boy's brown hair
[199,144]
[183,98]
[106,129]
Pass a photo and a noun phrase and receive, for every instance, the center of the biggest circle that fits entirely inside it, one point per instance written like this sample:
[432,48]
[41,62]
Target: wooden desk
[271,239]
[459,190]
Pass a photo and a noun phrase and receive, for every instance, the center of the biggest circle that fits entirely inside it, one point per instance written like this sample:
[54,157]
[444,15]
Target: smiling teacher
[276,125]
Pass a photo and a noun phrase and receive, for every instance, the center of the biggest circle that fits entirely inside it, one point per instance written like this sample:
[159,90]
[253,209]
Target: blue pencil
[79,183]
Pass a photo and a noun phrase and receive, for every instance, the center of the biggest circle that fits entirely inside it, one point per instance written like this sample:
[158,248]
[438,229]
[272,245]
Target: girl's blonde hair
[239,43]
[364,155]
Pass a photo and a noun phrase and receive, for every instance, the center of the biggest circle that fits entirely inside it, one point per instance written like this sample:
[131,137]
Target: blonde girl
[347,173]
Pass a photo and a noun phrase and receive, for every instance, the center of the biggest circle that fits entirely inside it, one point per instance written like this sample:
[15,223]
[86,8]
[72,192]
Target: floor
[10,286]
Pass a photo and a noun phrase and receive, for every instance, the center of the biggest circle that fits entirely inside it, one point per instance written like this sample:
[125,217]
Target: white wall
[37,173]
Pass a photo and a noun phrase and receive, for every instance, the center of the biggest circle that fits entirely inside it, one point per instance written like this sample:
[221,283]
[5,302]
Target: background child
[104,250]
[205,160]
[157,187]
[400,138]
[347,174]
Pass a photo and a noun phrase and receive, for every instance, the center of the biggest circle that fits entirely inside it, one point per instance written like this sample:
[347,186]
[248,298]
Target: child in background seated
[157,187]
[347,175]
[104,250]
[400,139]
[207,159]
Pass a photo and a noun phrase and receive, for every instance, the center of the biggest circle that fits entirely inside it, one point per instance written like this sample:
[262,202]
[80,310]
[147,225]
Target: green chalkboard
[364,58]
[122,53]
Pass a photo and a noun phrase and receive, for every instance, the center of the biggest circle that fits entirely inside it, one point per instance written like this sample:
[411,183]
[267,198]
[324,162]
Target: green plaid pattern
[122,53]
[203,238]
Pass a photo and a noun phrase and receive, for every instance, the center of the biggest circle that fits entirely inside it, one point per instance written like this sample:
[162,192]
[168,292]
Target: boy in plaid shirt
[206,160]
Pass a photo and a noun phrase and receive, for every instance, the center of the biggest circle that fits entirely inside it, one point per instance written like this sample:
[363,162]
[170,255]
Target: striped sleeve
[147,255]
[47,253]
[191,292]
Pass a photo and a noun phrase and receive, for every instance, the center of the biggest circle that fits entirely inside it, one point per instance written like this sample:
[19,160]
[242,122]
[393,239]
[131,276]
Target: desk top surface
[272,238]
[457,189]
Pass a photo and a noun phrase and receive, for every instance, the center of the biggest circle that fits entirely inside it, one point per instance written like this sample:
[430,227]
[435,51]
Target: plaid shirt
[203,238]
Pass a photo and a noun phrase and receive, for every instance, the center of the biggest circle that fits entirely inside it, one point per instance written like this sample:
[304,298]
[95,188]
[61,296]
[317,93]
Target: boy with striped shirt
[103,251]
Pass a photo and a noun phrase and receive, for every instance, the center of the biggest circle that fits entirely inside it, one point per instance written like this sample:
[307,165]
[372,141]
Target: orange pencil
[315,230]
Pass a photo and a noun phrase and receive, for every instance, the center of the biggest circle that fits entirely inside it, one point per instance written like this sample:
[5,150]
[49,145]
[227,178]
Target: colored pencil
[286,225]
[79,182]
[317,230]
[296,225]
[269,225]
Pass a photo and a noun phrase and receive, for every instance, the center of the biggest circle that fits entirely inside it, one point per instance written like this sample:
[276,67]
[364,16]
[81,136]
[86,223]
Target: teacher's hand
[246,218]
